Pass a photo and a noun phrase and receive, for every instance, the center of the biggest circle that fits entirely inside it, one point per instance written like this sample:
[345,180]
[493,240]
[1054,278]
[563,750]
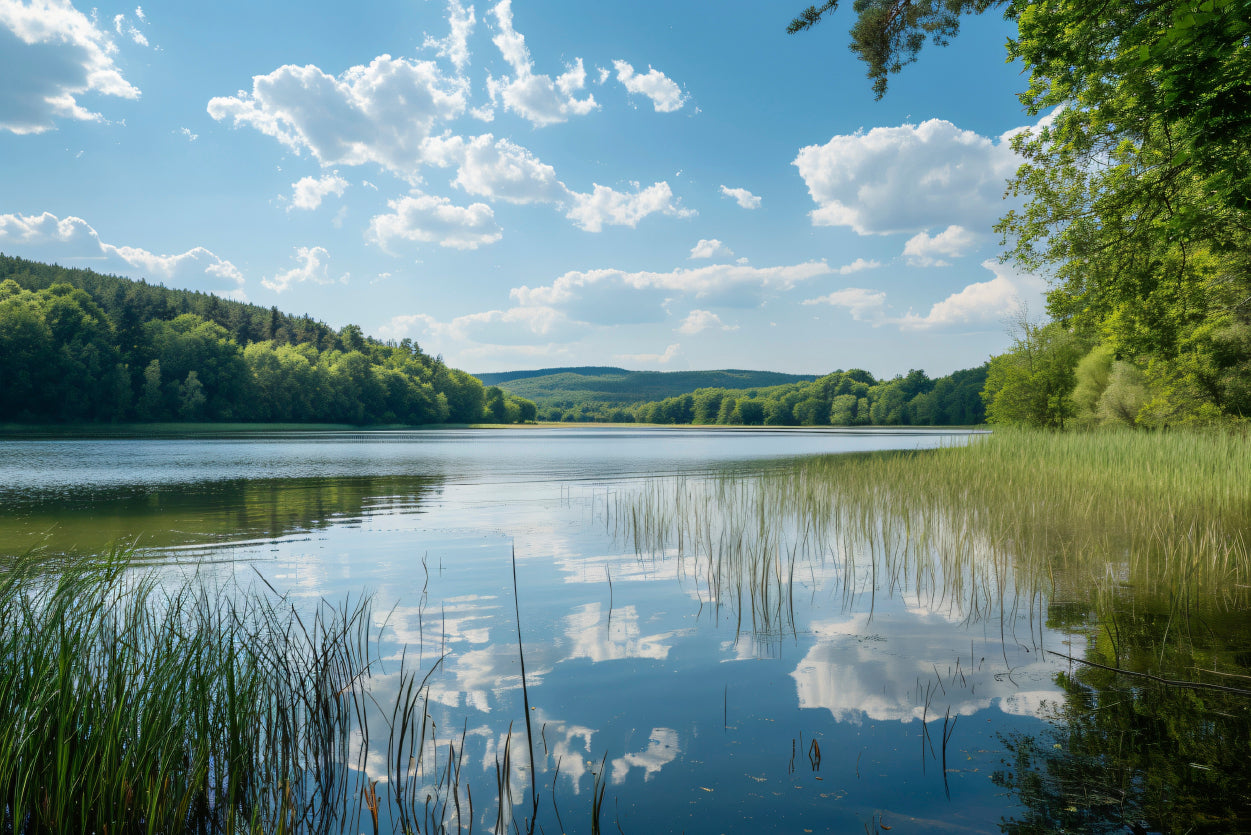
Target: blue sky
[527,184]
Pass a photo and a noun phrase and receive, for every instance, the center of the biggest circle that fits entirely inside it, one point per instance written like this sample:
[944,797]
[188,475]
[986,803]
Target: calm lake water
[841,698]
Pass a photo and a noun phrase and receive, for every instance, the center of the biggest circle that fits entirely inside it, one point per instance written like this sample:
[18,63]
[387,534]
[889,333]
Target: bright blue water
[703,722]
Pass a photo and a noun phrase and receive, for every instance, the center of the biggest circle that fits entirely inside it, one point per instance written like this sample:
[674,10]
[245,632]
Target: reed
[132,702]
[980,528]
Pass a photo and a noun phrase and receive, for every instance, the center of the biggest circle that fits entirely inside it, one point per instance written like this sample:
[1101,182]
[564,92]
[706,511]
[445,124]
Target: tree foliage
[842,398]
[1136,182]
[79,346]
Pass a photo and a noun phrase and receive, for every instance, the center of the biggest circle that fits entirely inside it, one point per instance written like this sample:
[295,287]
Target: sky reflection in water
[703,723]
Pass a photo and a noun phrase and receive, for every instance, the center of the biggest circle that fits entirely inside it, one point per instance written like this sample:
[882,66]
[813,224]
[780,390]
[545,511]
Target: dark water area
[792,684]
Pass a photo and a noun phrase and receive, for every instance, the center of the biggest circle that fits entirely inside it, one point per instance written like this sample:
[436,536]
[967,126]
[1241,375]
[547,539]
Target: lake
[735,677]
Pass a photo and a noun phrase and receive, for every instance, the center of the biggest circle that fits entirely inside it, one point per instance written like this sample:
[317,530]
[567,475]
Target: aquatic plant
[135,701]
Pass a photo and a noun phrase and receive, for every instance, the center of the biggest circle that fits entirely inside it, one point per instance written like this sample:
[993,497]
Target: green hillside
[566,387]
[78,346]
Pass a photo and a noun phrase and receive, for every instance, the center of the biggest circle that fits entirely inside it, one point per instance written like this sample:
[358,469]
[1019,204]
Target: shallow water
[831,698]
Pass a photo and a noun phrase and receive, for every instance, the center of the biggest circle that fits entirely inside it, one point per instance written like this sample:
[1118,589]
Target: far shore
[172,430]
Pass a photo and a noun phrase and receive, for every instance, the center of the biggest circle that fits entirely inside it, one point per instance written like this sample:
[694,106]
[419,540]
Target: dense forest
[78,346]
[842,398]
[608,384]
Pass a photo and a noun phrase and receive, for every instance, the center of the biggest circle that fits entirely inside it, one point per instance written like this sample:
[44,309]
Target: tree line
[841,398]
[77,346]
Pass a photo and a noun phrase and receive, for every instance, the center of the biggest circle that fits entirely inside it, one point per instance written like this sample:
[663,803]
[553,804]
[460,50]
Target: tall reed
[978,526]
[132,703]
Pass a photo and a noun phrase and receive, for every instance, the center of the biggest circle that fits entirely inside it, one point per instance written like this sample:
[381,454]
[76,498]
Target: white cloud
[312,267]
[310,191]
[615,208]
[381,113]
[72,239]
[742,196]
[51,53]
[861,303]
[923,251]
[699,320]
[908,178]
[455,46]
[609,296]
[436,220]
[711,248]
[497,169]
[604,75]
[143,18]
[662,749]
[665,94]
[651,359]
[191,137]
[858,265]
[127,29]
[983,304]
[516,326]
[536,98]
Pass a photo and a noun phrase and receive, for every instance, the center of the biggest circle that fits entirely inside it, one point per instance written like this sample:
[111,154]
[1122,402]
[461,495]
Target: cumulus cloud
[665,94]
[651,359]
[535,97]
[923,251]
[858,265]
[381,113]
[608,206]
[861,303]
[455,45]
[51,54]
[982,304]
[975,307]
[310,191]
[496,169]
[742,196]
[908,178]
[431,219]
[313,267]
[711,248]
[701,320]
[608,296]
[186,132]
[72,239]
[535,325]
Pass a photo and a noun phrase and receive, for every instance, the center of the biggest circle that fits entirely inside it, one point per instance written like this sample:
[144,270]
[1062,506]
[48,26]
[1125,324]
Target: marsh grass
[981,528]
[133,703]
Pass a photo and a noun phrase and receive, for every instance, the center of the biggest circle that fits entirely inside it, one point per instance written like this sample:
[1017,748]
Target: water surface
[803,688]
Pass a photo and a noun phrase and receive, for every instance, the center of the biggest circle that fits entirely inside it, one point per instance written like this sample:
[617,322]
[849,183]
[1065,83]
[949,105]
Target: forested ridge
[618,386]
[841,398]
[79,346]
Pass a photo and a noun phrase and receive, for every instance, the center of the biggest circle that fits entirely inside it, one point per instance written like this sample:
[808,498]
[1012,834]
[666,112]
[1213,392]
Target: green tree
[191,398]
[1031,383]
[1136,185]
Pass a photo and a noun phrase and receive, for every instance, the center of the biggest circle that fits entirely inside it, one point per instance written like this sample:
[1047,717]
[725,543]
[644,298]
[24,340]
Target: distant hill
[618,386]
[497,377]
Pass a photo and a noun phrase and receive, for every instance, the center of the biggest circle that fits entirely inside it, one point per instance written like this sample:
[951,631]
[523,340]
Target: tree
[191,398]
[1031,382]
[1136,184]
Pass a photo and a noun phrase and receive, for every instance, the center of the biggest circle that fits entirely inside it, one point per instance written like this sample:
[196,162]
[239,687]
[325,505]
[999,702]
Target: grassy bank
[981,525]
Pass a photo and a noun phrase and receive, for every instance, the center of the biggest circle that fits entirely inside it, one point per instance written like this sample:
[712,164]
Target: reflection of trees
[201,512]
[1131,755]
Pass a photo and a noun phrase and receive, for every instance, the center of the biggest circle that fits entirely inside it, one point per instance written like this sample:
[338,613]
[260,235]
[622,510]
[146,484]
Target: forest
[841,398]
[77,346]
